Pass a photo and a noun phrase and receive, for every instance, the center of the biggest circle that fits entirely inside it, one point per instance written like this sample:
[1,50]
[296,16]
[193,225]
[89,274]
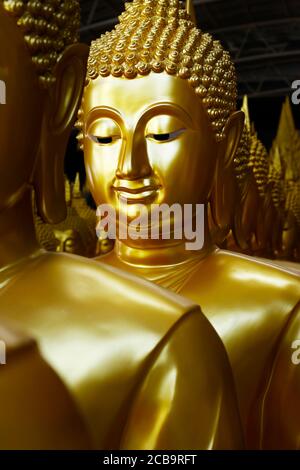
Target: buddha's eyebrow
[103,111]
[170,109]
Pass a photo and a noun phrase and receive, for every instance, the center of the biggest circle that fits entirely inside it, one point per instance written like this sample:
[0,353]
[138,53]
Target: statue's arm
[36,410]
[280,423]
[186,399]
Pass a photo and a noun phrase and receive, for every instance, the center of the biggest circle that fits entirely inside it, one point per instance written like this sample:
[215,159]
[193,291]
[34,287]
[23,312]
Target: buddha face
[147,141]
[69,241]
[20,117]
[104,246]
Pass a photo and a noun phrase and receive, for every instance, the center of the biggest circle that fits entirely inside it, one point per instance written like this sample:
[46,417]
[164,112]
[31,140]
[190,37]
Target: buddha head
[43,69]
[74,235]
[77,233]
[104,246]
[159,110]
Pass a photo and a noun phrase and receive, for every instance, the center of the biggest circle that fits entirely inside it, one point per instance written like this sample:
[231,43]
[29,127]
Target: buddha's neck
[17,232]
[164,255]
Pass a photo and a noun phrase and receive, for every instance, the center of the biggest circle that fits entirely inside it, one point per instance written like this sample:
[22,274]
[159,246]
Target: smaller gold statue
[77,233]
[284,176]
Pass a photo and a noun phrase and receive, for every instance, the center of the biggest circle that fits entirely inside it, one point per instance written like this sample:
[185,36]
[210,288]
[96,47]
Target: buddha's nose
[134,162]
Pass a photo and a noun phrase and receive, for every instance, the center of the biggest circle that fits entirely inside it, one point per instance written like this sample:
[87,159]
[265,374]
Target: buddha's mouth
[136,190]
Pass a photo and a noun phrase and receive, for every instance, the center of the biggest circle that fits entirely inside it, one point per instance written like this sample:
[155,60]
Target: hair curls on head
[49,26]
[159,35]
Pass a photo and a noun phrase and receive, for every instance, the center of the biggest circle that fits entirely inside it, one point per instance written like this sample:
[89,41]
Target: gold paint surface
[249,302]
[115,361]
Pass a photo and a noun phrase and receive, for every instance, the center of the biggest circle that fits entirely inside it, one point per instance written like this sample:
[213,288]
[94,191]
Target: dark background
[263,37]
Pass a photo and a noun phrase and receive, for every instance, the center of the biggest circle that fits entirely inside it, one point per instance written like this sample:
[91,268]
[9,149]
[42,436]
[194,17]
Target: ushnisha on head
[49,26]
[158,35]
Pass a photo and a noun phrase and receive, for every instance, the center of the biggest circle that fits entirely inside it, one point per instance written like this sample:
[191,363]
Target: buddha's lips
[141,190]
[136,187]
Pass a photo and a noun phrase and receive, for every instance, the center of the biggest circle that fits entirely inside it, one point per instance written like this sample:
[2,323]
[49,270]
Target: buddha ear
[233,132]
[61,105]
[190,8]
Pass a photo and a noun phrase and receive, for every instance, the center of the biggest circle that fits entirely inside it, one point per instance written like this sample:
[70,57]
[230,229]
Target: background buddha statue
[77,233]
[235,195]
[286,150]
[158,116]
[277,189]
[227,197]
[124,363]
[266,215]
[238,239]
[254,204]
[291,228]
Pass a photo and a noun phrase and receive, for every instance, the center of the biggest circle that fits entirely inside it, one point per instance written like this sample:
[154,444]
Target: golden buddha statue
[276,188]
[293,217]
[267,223]
[73,236]
[286,150]
[232,185]
[77,233]
[241,205]
[51,423]
[256,220]
[158,116]
[119,363]
[287,138]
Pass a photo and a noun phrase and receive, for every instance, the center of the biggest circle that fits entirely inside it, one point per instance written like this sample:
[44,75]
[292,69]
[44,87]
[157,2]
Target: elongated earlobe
[190,8]
[61,108]
[233,132]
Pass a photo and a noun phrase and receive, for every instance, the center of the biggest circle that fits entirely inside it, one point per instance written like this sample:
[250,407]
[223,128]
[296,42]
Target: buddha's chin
[149,244]
[131,203]
[139,235]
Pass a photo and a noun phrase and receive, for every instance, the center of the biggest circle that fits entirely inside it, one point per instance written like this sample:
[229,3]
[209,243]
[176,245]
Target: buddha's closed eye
[105,140]
[165,137]
[164,128]
[160,129]
[104,131]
